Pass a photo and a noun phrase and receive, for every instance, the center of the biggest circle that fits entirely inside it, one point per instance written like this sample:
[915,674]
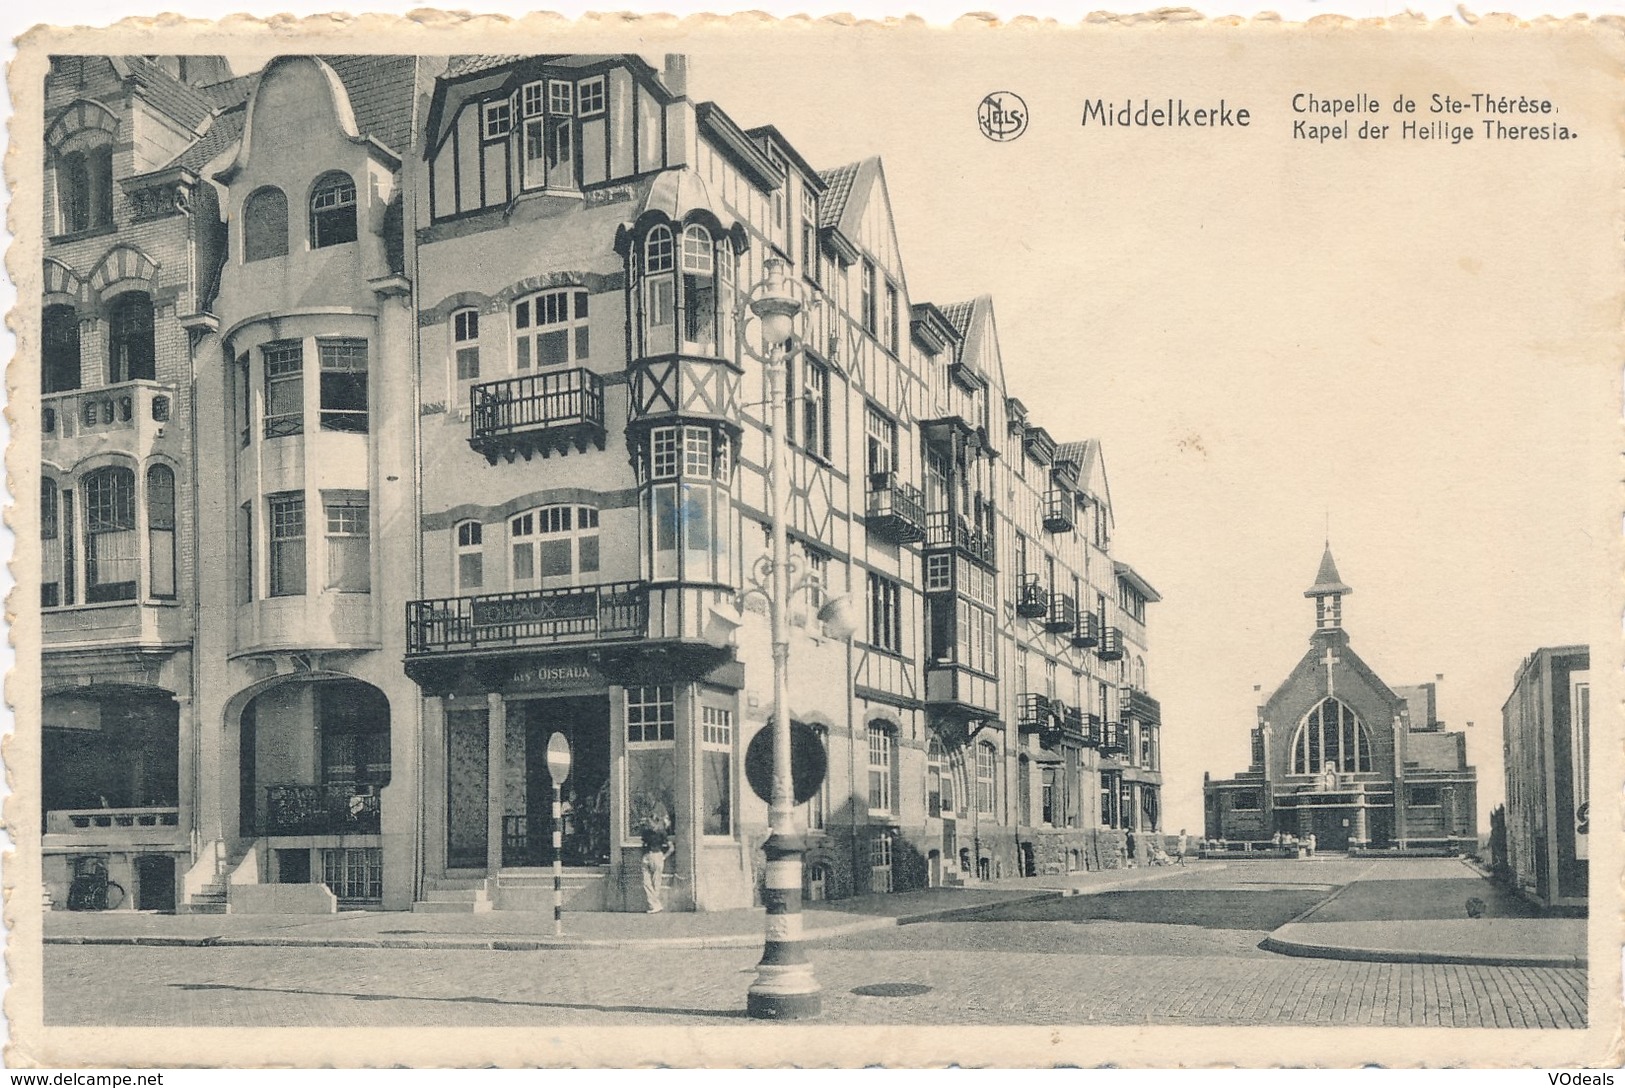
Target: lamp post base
[784,988]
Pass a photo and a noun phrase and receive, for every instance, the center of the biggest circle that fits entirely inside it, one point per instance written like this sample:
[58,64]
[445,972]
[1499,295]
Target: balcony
[1036,713]
[943,530]
[1111,644]
[1032,598]
[1144,707]
[1063,613]
[544,617]
[540,413]
[1087,630]
[961,693]
[896,510]
[319,810]
[113,827]
[129,417]
[1083,727]
[1114,738]
[1060,514]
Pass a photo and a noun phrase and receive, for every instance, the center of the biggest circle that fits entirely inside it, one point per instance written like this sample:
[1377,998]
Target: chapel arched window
[1331,737]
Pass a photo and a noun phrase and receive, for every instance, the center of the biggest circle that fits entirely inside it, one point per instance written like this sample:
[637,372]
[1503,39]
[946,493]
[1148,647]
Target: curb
[1400,955]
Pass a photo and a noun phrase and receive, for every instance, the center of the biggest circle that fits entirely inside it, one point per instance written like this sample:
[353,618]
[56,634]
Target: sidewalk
[1415,911]
[531,930]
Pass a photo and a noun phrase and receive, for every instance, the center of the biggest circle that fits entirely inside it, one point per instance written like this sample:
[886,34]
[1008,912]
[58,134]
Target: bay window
[699,291]
[344,385]
[549,159]
[161,531]
[349,541]
[683,290]
[287,551]
[688,504]
[284,363]
[112,548]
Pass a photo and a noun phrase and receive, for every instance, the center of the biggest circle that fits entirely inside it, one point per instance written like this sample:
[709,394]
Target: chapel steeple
[1328,592]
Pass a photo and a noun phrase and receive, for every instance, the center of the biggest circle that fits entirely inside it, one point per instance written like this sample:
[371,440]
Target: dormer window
[549,135]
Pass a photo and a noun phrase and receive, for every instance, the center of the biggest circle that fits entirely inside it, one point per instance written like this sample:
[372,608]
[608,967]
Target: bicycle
[91,890]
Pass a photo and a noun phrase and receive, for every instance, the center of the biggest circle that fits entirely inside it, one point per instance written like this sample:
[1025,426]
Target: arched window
[332,211]
[265,224]
[50,546]
[1331,736]
[112,549]
[551,329]
[699,291]
[659,292]
[161,531]
[131,353]
[553,547]
[84,187]
[469,572]
[59,349]
[987,764]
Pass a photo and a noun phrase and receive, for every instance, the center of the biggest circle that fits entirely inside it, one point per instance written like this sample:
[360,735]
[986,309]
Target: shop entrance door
[527,822]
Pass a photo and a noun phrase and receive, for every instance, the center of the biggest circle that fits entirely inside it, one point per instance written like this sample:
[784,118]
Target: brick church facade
[1339,754]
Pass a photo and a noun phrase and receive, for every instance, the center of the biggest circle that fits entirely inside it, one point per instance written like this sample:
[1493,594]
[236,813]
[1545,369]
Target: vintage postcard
[733,541]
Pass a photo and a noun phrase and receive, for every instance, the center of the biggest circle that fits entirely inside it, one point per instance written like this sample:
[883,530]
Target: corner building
[1546,736]
[1340,755]
[595,497]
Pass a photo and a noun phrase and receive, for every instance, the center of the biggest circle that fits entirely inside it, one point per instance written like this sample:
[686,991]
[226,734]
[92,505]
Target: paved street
[1180,950]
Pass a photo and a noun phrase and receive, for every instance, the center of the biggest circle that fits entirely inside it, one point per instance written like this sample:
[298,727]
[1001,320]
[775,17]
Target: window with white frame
[688,509]
[550,329]
[866,284]
[112,549]
[287,539]
[699,291]
[332,211]
[549,158]
[469,568]
[880,444]
[161,557]
[344,385]
[465,349]
[651,714]
[880,875]
[809,234]
[659,291]
[498,119]
[590,97]
[881,745]
[716,755]
[349,541]
[284,366]
[553,547]
[815,407]
[938,572]
[987,763]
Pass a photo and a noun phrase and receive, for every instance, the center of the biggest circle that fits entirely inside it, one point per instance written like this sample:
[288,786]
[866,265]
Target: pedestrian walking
[1132,856]
[656,845]
[1184,844]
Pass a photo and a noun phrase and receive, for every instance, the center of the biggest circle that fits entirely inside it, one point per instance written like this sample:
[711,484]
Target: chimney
[675,74]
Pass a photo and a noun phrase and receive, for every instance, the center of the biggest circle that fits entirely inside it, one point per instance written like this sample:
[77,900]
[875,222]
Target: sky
[1404,346]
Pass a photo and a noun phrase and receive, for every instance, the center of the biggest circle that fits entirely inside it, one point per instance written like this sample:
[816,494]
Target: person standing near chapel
[656,846]
[1184,844]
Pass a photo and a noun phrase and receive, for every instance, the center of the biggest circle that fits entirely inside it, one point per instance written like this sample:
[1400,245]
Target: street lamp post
[784,988]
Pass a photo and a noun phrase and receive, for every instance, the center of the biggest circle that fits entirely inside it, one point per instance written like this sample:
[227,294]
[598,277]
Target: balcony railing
[612,610]
[539,413]
[1114,738]
[1060,515]
[1032,597]
[96,820]
[1035,712]
[943,530]
[1111,644]
[123,407]
[319,810]
[1084,727]
[1063,613]
[1144,707]
[1086,632]
[896,509]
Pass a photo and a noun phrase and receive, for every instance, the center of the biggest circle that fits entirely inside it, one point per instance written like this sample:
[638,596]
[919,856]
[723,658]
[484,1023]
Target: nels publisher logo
[1002,116]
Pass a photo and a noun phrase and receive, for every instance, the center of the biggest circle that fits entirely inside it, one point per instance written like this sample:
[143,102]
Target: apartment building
[483,461]
[1546,736]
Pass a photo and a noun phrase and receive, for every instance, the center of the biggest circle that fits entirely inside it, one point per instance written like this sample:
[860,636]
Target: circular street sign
[558,758]
[808,763]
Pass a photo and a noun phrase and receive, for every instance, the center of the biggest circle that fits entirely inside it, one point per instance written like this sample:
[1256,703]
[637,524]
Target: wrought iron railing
[1086,632]
[1063,613]
[319,810]
[611,610]
[896,508]
[1035,712]
[943,530]
[1111,644]
[1059,511]
[1032,597]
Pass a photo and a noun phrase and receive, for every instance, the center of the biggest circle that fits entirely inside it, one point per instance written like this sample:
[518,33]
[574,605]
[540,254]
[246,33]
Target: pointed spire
[1327,581]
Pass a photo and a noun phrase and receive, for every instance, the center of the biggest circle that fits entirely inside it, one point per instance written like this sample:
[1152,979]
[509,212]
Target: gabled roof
[1327,582]
[230,92]
[381,90]
[479,62]
[958,315]
[832,205]
[226,130]
[178,100]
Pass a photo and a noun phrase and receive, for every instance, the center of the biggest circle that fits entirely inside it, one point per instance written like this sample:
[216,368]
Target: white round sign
[558,758]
